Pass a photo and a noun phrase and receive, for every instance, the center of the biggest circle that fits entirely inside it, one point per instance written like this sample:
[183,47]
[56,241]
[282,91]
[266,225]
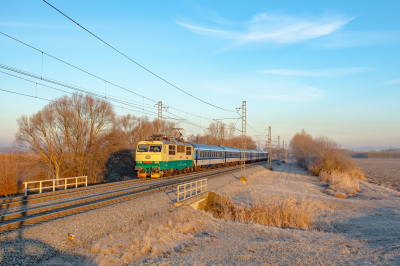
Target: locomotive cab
[149,154]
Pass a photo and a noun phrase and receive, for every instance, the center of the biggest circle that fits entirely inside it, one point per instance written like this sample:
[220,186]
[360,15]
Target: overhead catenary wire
[124,55]
[111,83]
[91,93]
[41,98]
[85,91]
[100,78]
[36,97]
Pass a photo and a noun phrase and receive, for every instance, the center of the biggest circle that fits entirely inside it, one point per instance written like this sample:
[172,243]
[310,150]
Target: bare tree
[9,171]
[70,134]
[136,129]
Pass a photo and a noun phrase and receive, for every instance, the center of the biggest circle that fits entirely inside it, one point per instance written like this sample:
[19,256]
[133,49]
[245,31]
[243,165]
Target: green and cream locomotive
[163,157]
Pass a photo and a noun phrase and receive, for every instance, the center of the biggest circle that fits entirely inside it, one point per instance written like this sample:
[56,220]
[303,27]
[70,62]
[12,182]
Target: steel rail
[102,200]
[70,190]
[14,215]
[8,202]
[36,198]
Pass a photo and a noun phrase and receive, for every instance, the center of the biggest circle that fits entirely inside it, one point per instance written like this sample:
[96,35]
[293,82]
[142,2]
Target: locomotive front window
[143,148]
[155,148]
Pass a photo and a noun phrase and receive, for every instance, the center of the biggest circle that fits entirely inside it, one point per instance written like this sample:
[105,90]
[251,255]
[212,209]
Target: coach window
[171,149]
[181,149]
[188,150]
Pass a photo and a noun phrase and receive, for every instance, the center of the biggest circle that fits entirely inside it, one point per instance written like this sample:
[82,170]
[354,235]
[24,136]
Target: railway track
[21,211]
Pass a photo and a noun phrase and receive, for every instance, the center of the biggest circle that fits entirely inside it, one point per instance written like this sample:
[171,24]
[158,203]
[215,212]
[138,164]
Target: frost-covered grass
[342,184]
[152,236]
[277,210]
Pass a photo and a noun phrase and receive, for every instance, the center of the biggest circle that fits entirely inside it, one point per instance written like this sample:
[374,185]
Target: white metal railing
[191,189]
[55,183]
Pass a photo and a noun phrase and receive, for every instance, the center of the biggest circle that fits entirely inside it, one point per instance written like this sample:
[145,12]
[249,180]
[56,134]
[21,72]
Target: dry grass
[259,173]
[343,184]
[157,234]
[271,210]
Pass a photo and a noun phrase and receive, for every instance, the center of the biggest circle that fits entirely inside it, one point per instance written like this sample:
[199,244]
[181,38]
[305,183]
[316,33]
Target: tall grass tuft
[265,210]
[341,183]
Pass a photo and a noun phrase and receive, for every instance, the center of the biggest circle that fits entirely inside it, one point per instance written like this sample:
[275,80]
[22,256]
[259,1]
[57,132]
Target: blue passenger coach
[209,155]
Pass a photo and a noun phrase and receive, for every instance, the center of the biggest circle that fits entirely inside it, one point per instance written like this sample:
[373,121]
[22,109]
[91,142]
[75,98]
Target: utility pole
[269,146]
[243,168]
[279,148]
[243,138]
[159,116]
[222,135]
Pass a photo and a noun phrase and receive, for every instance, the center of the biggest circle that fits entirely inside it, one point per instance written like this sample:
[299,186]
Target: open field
[384,172]
[360,230]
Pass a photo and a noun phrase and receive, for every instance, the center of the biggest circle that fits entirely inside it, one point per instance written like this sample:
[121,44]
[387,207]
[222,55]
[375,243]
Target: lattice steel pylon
[159,116]
[269,146]
[243,168]
[279,148]
[222,136]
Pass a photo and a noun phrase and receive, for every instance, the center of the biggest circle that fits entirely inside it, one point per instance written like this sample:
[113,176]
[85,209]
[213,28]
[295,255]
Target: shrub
[322,157]
[341,183]
[270,210]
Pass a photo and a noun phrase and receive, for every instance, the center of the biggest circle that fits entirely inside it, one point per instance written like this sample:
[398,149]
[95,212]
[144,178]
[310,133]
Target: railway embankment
[360,230]
[91,225]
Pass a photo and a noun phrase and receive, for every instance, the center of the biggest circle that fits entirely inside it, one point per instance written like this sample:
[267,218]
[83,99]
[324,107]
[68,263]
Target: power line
[112,47]
[80,90]
[94,94]
[26,95]
[95,76]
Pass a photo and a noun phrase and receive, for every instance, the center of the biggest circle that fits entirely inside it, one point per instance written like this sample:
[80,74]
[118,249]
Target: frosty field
[360,230]
[384,172]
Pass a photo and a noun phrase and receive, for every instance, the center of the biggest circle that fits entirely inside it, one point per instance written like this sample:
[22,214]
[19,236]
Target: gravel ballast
[89,226]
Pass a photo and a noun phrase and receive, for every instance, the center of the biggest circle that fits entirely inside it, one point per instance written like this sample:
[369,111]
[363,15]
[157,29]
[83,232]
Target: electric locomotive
[163,157]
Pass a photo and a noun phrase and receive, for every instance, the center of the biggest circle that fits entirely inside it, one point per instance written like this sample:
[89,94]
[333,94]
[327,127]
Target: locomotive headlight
[140,162]
[156,162]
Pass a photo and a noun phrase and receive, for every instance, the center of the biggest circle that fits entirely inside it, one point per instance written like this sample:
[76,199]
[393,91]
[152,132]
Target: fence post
[26,188]
[76,182]
[40,187]
[65,183]
[86,181]
[54,185]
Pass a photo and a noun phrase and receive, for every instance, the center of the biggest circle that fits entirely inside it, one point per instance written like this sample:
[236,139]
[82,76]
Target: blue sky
[331,67]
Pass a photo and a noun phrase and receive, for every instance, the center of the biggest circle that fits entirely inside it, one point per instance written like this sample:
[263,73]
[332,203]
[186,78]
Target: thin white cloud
[293,93]
[358,38]
[393,82]
[333,72]
[276,28]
